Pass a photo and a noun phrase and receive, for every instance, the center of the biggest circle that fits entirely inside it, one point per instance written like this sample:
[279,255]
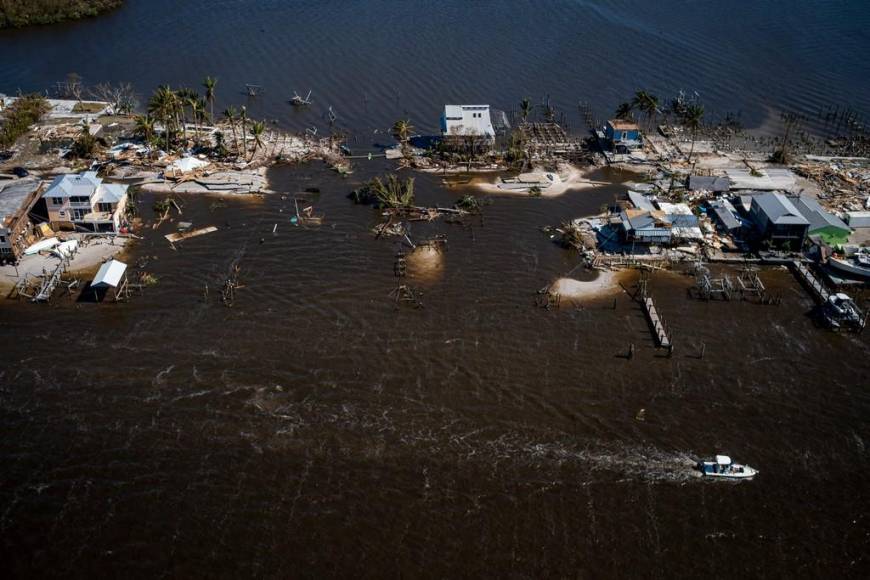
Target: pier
[663,340]
[655,321]
[817,288]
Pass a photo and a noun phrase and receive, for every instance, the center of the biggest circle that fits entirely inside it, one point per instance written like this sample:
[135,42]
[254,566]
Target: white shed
[110,274]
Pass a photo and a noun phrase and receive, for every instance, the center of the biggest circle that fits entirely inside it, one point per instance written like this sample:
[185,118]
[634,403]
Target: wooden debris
[179,236]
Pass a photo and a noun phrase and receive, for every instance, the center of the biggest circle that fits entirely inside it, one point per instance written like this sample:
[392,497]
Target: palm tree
[210,83]
[525,108]
[402,130]
[219,143]
[196,108]
[647,104]
[257,129]
[162,106]
[393,192]
[186,98]
[230,114]
[692,118]
[243,116]
[145,128]
[623,111]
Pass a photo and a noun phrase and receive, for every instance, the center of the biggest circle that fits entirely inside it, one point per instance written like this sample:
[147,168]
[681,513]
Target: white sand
[88,257]
[572,179]
[605,284]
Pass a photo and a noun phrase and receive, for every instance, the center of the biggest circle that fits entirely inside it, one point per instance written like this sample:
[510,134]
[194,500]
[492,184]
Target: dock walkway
[817,288]
[655,320]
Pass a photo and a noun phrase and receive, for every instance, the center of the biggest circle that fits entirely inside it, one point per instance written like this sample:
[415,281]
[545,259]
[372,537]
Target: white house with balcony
[84,202]
[467,120]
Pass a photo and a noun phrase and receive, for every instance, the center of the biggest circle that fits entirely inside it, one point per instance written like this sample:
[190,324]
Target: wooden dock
[817,288]
[655,321]
[50,282]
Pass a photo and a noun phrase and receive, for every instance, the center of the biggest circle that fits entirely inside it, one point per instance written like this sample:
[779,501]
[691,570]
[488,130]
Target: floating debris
[177,237]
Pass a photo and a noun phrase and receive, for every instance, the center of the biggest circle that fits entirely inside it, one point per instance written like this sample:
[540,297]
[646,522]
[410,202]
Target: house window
[106,207]
[80,199]
[2,239]
[57,200]
[78,214]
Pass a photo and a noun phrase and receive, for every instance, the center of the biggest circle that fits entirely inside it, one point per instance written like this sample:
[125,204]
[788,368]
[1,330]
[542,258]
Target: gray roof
[110,193]
[725,214]
[640,201]
[709,183]
[779,210]
[70,185]
[13,194]
[817,215]
[86,185]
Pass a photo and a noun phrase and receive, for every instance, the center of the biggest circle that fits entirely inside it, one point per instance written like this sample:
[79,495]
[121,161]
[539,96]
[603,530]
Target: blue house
[623,136]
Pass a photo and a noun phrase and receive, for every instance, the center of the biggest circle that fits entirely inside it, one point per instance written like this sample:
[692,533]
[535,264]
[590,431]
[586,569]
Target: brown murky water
[317,430]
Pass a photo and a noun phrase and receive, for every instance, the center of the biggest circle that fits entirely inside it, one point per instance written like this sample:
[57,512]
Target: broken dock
[662,337]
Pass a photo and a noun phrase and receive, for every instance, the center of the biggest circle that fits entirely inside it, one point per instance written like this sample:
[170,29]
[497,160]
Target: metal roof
[817,215]
[779,210]
[109,274]
[640,201]
[709,183]
[110,193]
[13,194]
[724,212]
[70,185]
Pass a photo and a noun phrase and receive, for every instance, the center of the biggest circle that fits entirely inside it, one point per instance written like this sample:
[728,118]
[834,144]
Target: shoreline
[572,178]
[87,259]
[606,283]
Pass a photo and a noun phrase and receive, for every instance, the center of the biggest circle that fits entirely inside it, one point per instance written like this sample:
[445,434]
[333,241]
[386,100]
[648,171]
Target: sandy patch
[605,284]
[570,178]
[425,263]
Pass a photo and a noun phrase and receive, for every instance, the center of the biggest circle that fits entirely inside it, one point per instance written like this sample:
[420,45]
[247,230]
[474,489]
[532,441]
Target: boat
[526,181]
[722,467]
[841,311]
[856,265]
[298,101]
[41,245]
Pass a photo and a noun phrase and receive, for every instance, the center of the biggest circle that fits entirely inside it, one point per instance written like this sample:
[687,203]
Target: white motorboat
[526,181]
[723,468]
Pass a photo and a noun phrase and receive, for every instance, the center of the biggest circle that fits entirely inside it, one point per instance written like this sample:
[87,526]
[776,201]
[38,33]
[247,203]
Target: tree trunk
[692,149]
[244,137]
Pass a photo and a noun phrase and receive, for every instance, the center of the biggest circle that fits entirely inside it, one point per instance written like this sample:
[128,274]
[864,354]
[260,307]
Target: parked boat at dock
[856,265]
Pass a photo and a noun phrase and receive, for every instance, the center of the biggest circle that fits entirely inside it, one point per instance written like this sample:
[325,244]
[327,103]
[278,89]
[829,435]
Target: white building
[467,120]
[86,202]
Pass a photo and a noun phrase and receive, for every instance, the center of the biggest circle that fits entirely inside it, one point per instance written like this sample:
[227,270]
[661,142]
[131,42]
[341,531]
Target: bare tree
[71,87]
[122,97]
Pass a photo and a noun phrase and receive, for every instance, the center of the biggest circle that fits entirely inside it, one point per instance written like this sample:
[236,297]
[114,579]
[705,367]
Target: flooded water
[317,429]
[375,61]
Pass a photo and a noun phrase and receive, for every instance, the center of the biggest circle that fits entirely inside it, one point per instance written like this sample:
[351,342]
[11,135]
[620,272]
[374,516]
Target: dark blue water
[374,61]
